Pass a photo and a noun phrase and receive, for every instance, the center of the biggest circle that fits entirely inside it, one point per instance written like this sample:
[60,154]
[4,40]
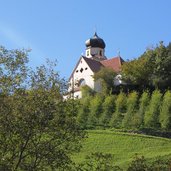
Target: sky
[58,29]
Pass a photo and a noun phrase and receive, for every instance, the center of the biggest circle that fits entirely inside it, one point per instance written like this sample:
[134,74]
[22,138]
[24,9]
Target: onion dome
[95,41]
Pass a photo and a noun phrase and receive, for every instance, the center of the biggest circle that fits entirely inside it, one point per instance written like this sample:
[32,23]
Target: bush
[98,162]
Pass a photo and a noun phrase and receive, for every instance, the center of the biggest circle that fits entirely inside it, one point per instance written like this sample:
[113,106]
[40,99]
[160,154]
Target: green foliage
[83,112]
[13,69]
[165,113]
[98,162]
[136,71]
[130,120]
[87,91]
[125,111]
[143,104]
[162,68]
[138,164]
[120,109]
[106,76]
[108,109]
[153,68]
[151,118]
[95,111]
[38,130]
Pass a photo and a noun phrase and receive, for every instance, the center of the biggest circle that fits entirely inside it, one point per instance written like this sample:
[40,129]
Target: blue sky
[58,29]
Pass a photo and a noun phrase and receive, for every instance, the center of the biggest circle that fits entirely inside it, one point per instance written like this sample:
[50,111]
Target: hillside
[124,146]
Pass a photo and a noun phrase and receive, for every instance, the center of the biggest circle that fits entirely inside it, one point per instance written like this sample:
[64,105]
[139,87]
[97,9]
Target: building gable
[80,69]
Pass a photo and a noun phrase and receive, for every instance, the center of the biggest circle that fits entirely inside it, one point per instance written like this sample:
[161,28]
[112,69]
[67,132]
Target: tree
[95,110]
[165,112]
[151,118]
[87,91]
[36,130]
[108,108]
[143,104]
[13,69]
[120,109]
[137,71]
[84,112]
[162,67]
[151,69]
[129,120]
[106,77]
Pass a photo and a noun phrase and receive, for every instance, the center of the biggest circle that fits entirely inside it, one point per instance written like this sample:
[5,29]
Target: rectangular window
[88,53]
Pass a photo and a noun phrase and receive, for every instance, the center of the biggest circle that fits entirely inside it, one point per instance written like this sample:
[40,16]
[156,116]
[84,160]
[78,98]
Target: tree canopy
[106,76]
[151,69]
[38,130]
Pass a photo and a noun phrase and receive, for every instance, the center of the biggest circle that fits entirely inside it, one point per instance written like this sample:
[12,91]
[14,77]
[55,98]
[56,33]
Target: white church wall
[82,72]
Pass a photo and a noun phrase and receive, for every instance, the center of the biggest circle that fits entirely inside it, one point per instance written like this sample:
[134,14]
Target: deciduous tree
[36,130]
[106,77]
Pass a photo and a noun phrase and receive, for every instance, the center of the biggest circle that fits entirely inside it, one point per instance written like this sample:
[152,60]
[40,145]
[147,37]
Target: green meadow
[124,146]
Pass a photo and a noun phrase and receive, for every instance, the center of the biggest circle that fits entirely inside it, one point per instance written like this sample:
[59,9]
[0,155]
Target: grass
[123,146]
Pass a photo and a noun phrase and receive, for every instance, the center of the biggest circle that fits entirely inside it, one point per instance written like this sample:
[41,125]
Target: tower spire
[95,32]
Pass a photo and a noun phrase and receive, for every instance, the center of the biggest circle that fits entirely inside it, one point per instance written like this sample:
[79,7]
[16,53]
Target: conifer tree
[83,112]
[108,109]
[95,110]
[143,103]
[165,113]
[151,118]
[129,118]
[120,107]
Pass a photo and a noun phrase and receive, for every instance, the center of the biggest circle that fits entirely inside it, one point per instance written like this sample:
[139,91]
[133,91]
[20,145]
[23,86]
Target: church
[90,63]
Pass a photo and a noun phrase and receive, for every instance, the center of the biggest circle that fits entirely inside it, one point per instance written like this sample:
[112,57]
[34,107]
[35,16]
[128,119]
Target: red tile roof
[113,63]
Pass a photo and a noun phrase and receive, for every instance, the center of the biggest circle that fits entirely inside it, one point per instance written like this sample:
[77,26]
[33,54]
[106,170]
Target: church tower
[95,48]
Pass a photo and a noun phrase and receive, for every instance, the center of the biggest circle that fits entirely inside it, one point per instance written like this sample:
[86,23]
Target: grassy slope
[124,146]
